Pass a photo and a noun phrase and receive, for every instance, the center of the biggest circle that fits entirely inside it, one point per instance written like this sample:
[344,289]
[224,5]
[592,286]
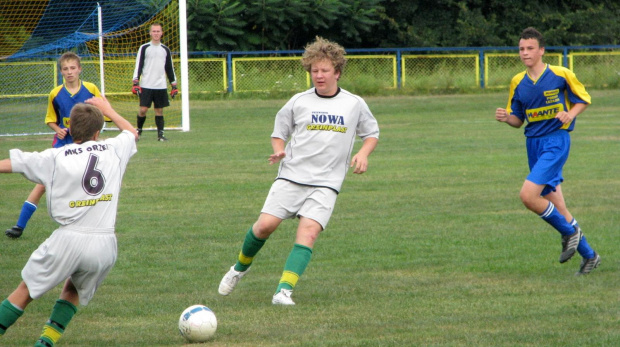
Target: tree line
[248,25]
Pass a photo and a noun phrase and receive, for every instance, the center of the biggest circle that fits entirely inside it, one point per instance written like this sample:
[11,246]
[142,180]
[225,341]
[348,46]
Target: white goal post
[105,34]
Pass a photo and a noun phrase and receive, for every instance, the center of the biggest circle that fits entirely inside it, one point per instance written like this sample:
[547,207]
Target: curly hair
[322,49]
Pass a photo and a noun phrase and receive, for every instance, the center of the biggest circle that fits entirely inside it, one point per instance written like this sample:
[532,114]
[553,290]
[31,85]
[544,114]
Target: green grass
[431,247]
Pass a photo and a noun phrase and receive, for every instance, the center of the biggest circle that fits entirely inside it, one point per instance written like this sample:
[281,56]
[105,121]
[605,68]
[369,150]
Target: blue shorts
[546,157]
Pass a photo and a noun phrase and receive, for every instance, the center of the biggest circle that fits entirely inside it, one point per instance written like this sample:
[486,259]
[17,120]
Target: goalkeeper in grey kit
[153,65]
[313,139]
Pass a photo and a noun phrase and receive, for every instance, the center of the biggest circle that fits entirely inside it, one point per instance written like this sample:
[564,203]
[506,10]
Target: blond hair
[322,49]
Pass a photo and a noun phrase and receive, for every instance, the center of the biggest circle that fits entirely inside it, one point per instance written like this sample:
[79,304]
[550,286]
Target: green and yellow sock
[9,314]
[251,246]
[54,328]
[295,266]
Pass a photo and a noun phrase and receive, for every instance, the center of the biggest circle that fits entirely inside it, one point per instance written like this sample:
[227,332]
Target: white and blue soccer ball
[197,323]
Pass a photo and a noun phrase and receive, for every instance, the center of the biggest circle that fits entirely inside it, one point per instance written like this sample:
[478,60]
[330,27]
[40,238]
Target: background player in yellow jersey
[549,98]
[60,102]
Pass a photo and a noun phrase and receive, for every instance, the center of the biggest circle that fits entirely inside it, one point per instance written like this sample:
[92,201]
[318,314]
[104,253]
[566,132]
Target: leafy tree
[348,22]
[443,23]
[290,24]
[360,19]
[216,25]
[277,24]
[586,23]
[274,28]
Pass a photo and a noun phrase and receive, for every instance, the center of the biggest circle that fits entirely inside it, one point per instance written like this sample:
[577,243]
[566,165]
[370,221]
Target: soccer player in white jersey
[313,139]
[153,65]
[549,98]
[83,181]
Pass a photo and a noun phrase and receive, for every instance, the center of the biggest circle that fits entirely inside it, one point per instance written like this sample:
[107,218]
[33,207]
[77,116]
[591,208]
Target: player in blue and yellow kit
[548,98]
[60,102]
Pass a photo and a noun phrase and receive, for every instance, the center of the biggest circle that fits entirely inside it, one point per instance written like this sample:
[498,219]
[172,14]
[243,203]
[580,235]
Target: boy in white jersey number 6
[83,181]
[312,140]
[549,98]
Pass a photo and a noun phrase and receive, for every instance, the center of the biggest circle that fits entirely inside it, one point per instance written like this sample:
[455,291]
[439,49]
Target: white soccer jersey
[86,199]
[322,132]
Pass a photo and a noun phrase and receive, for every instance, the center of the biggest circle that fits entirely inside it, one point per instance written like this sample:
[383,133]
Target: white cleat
[230,280]
[283,297]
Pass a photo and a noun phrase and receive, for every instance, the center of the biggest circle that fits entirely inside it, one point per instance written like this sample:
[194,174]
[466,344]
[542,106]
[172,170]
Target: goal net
[106,34]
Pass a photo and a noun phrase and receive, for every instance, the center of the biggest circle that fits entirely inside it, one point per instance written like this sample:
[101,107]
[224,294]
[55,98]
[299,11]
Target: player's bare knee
[528,200]
[264,228]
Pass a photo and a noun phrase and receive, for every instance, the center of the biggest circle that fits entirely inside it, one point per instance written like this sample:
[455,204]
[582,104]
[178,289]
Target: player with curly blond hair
[312,140]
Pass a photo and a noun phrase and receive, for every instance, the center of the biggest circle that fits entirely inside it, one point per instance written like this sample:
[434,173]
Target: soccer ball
[197,323]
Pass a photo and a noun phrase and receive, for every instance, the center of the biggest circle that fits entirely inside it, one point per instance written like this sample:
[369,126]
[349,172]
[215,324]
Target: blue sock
[574,223]
[24,216]
[557,220]
[583,248]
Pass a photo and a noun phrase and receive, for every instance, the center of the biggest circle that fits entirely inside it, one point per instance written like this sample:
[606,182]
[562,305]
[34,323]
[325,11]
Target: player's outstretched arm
[104,106]
[5,166]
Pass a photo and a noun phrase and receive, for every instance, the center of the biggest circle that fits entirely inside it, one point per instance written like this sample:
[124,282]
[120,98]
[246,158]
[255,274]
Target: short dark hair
[85,121]
[531,33]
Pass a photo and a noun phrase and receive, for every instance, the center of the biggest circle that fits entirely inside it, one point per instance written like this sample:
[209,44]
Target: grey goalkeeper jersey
[321,133]
[82,181]
[153,65]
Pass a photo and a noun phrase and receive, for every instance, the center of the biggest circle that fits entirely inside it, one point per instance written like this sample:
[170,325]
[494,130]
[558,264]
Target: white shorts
[85,257]
[289,200]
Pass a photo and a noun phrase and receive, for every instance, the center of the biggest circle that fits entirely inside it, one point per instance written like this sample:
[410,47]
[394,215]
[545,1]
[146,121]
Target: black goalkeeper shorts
[156,97]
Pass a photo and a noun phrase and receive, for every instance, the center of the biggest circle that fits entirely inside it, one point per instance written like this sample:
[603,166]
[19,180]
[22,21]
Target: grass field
[431,247]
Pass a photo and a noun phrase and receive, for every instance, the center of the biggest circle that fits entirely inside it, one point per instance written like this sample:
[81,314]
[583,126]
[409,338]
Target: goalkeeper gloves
[136,88]
[174,91]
